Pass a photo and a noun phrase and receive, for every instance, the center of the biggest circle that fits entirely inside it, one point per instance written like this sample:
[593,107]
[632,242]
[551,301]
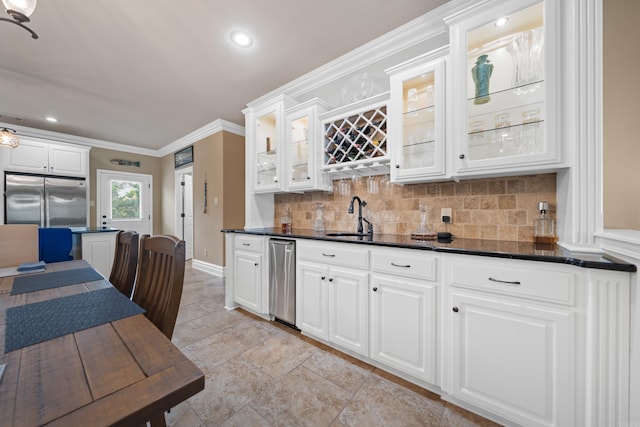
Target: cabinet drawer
[518,279]
[410,263]
[248,243]
[335,254]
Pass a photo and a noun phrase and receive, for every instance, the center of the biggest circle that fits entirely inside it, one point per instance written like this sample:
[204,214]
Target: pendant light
[20,10]
[8,138]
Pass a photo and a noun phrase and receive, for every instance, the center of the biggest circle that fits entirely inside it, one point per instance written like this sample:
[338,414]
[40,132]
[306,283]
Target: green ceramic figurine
[481,73]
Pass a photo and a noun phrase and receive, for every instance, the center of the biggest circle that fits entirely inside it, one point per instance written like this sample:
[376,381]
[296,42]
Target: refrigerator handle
[44,208]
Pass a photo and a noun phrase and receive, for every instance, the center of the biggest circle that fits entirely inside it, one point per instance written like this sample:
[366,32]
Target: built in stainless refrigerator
[282,280]
[46,201]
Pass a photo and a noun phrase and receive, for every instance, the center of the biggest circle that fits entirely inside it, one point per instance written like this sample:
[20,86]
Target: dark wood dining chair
[159,280]
[125,261]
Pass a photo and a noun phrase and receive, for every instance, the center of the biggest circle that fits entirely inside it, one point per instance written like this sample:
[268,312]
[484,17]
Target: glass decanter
[318,225]
[423,232]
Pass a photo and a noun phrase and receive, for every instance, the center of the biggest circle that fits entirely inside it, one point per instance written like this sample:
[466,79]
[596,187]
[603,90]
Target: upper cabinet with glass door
[266,143]
[304,146]
[505,87]
[417,118]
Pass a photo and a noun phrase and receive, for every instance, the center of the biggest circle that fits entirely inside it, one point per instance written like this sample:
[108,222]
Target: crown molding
[215,126]
[79,140]
[209,129]
[419,30]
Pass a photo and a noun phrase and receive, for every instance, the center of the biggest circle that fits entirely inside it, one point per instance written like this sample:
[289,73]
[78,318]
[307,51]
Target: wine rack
[357,139]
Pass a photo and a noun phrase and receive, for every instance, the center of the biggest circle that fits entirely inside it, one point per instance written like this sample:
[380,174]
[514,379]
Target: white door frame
[178,201]
[101,172]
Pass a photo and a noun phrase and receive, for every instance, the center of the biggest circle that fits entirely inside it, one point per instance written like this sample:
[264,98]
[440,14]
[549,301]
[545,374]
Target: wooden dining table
[124,372]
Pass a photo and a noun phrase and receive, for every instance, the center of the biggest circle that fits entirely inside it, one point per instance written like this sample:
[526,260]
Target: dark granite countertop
[488,248]
[82,230]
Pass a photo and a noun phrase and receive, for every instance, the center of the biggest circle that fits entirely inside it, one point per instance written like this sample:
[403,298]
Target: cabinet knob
[461,156]
[308,177]
[256,264]
[455,309]
[322,277]
[375,289]
[331,279]
[104,216]
[104,222]
[397,166]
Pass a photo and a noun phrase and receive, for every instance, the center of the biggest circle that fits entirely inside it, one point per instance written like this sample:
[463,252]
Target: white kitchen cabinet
[266,138]
[99,249]
[417,118]
[511,329]
[403,301]
[304,146]
[48,158]
[331,299]
[250,286]
[505,92]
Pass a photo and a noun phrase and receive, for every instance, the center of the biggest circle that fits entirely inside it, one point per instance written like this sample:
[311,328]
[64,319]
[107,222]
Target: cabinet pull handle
[455,309]
[400,265]
[515,282]
[246,244]
[329,255]
[375,289]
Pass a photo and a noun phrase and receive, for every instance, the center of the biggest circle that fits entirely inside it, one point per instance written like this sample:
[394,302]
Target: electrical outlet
[445,215]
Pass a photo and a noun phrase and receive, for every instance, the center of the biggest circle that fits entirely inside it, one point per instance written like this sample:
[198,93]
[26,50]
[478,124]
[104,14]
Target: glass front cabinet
[417,118]
[304,146]
[504,87]
[266,132]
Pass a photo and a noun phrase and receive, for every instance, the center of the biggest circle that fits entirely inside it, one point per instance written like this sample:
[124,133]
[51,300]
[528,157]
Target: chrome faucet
[361,203]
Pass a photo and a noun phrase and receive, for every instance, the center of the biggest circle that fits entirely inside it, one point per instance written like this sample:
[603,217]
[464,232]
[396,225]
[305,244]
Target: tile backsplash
[492,208]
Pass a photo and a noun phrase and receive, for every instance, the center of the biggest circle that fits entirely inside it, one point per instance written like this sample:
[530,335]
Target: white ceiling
[148,72]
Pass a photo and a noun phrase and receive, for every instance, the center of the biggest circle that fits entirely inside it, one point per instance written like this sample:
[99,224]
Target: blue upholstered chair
[55,244]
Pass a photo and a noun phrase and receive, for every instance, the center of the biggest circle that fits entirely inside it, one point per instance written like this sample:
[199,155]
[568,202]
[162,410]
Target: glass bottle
[285,220]
[318,225]
[544,229]
[423,232]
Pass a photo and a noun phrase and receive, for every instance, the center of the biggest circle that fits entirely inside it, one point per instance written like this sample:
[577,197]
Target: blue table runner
[55,279]
[38,322]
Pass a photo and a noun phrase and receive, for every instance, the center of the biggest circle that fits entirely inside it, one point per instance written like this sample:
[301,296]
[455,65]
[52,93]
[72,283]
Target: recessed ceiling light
[241,38]
[52,119]
[501,22]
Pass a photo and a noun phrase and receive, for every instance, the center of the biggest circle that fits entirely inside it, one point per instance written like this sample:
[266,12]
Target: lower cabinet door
[512,358]
[248,280]
[403,325]
[311,299]
[348,317]
[99,249]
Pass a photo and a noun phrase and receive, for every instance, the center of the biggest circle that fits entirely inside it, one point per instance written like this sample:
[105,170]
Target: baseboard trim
[214,269]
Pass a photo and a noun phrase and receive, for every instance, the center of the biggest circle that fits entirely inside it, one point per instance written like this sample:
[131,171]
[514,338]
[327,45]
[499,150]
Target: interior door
[124,201]
[184,209]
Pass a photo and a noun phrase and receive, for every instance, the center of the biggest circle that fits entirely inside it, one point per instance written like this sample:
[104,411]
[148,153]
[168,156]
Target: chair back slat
[125,261]
[159,280]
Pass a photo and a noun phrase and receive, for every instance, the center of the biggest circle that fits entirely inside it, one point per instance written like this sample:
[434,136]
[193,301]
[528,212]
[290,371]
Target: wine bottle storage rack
[358,138]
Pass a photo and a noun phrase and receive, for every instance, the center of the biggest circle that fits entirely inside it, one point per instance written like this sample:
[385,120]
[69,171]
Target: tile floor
[260,373]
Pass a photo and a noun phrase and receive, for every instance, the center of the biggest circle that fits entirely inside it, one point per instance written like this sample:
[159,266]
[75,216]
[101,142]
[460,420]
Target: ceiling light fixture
[51,119]
[8,138]
[240,38]
[500,22]
[20,10]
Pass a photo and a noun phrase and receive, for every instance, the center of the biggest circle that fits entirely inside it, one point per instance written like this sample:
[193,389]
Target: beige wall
[492,208]
[100,158]
[621,66]
[218,159]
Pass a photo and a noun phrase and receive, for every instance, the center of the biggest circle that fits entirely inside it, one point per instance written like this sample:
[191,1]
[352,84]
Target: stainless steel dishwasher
[282,280]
